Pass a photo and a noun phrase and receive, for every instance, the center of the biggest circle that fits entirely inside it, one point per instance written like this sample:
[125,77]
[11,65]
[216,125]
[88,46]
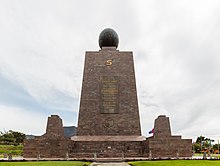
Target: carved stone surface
[109,94]
[109,103]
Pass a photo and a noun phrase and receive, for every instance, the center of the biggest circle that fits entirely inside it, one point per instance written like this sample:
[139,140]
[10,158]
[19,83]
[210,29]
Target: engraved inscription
[109,123]
[109,94]
[108,62]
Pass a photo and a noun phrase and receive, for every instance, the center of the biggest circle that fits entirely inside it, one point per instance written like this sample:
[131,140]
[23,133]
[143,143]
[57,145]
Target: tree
[19,137]
[216,148]
[196,147]
[12,137]
[200,139]
[203,144]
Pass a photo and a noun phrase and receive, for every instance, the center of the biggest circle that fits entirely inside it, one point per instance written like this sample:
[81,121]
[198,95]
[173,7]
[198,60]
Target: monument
[108,99]
[108,122]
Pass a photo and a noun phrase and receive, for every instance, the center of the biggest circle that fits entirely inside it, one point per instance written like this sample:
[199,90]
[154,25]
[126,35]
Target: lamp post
[218,146]
[201,147]
[193,148]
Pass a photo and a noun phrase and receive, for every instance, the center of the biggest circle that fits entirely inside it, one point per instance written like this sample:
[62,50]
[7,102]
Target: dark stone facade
[109,98]
[52,144]
[164,145]
[108,123]
[106,146]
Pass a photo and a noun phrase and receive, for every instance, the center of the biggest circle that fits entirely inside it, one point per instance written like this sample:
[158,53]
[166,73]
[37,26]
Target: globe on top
[108,38]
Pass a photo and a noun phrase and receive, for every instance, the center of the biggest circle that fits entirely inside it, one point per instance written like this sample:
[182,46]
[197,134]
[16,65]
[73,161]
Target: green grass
[176,163]
[45,163]
[14,150]
[12,146]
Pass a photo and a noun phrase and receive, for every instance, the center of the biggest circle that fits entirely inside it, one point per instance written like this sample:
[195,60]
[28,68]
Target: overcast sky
[176,47]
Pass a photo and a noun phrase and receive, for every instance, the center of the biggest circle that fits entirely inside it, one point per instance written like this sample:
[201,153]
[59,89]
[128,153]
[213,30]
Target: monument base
[106,146]
[163,145]
[43,147]
[53,144]
[170,147]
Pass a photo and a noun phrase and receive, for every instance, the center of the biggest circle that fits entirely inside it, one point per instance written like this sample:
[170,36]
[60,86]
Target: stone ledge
[108,138]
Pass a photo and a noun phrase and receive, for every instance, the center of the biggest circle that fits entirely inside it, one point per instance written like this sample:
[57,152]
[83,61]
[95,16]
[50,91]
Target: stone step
[109,164]
[107,160]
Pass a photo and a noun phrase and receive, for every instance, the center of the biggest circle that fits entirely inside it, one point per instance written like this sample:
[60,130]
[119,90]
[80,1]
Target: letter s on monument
[108,62]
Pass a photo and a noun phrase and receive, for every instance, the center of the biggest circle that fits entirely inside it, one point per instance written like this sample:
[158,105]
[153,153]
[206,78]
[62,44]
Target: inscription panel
[109,95]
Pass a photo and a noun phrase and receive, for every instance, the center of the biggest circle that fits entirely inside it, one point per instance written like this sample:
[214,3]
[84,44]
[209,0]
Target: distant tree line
[204,144]
[11,137]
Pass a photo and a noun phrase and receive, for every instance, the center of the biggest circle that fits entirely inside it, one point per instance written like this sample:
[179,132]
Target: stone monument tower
[109,98]
[108,123]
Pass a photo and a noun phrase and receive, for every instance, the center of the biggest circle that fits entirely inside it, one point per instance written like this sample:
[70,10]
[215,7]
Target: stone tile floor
[109,164]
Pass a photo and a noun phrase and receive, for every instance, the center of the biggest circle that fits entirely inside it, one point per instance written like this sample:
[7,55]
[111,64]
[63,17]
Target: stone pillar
[162,127]
[164,145]
[54,126]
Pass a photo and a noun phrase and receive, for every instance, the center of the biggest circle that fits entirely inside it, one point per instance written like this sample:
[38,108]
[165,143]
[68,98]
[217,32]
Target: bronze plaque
[109,95]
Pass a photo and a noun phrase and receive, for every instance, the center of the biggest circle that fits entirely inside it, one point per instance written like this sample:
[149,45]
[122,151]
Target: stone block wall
[45,148]
[105,149]
[170,147]
[164,145]
[108,104]
[52,144]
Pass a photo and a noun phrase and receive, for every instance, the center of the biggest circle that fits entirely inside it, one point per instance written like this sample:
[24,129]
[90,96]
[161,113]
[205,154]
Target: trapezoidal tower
[108,105]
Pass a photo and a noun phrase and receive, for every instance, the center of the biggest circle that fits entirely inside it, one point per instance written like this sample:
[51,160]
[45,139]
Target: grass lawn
[45,163]
[14,150]
[177,163]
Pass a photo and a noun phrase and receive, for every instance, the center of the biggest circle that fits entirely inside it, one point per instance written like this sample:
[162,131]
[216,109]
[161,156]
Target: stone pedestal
[52,144]
[164,145]
[109,124]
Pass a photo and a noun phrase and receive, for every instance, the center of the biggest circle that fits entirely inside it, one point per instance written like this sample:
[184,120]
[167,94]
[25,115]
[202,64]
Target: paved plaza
[109,164]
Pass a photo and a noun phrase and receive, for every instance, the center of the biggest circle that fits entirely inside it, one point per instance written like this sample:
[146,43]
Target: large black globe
[108,38]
